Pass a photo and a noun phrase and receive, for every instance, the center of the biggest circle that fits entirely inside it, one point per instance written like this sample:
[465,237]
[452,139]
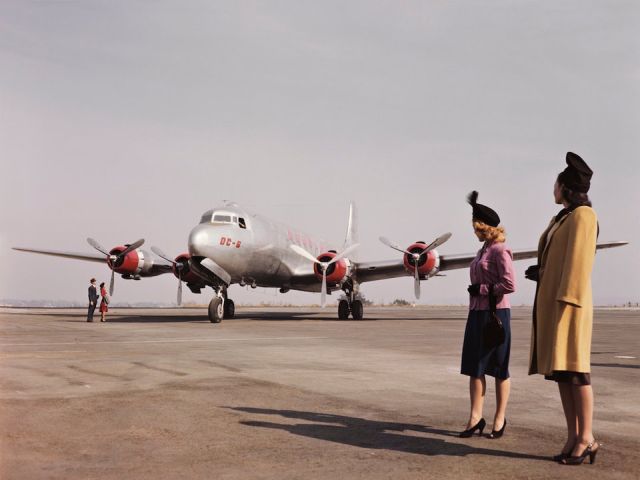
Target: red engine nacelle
[131,263]
[186,274]
[335,272]
[427,264]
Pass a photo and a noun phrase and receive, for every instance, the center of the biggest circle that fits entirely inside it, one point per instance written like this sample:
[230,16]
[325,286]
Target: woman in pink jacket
[492,279]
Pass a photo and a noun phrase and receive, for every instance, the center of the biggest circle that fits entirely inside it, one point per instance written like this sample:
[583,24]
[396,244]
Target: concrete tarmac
[290,394]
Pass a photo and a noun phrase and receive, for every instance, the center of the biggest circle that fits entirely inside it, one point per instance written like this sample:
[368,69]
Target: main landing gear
[351,305]
[221,307]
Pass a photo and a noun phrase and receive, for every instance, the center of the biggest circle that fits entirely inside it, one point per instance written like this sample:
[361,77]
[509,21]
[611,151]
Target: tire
[229,308]
[343,310]
[216,310]
[357,310]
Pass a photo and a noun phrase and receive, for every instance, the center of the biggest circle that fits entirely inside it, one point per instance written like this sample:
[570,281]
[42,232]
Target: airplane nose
[200,240]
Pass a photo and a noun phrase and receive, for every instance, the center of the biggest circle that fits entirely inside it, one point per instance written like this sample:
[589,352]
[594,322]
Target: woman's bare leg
[583,406]
[477,389]
[568,405]
[503,388]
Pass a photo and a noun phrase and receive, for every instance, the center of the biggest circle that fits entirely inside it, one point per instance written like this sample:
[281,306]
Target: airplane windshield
[206,216]
[212,216]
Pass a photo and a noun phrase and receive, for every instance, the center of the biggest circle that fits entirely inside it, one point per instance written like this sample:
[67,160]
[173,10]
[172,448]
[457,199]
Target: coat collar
[548,234]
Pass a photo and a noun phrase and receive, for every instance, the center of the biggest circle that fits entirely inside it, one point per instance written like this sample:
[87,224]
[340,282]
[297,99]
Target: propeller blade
[179,289]
[131,248]
[112,282]
[416,283]
[303,253]
[161,254]
[390,244]
[344,253]
[323,292]
[436,243]
[97,246]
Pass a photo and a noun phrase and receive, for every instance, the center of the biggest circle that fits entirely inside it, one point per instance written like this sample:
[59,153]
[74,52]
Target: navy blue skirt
[477,360]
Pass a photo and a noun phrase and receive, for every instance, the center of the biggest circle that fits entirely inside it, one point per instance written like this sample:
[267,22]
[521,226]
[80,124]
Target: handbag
[493,332]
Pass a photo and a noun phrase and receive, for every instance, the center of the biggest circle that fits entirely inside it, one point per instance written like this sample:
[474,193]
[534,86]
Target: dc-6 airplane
[233,245]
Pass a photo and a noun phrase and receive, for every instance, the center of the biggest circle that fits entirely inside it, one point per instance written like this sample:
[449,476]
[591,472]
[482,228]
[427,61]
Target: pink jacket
[493,265]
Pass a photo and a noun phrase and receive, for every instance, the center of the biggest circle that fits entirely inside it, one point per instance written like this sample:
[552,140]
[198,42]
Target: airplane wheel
[357,310]
[343,310]
[229,309]
[216,310]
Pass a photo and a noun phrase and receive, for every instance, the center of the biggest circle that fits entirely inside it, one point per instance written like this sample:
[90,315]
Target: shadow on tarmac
[360,432]
[614,365]
[259,316]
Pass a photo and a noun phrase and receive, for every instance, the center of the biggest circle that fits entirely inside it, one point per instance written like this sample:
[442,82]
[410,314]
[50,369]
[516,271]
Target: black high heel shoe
[498,433]
[588,452]
[478,426]
[561,456]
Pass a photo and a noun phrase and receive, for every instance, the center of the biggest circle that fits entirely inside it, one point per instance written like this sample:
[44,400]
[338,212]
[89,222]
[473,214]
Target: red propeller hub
[425,264]
[129,264]
[335,272]
[185,274]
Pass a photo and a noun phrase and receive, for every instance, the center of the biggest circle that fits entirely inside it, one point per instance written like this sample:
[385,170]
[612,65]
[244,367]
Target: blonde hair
[489,233]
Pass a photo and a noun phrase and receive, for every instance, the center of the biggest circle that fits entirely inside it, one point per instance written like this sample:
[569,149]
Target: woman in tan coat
[563,309]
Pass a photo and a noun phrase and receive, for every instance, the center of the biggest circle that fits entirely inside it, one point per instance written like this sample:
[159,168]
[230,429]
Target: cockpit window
[211,216]
[206,216]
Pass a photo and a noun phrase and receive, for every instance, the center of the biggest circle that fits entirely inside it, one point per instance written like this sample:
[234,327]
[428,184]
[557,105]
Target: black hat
[577,175]
[481,212]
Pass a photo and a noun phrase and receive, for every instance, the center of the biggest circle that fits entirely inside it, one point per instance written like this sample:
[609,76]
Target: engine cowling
[428,264]
[186,274]
[336,272]
[130,264]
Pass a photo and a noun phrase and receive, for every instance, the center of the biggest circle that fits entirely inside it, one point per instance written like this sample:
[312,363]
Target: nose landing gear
[221,307]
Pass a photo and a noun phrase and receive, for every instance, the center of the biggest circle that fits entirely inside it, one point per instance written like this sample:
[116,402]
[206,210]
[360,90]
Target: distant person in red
[104,304]
[93,299]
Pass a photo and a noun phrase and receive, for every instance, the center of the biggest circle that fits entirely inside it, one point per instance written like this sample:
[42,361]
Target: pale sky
[122,120]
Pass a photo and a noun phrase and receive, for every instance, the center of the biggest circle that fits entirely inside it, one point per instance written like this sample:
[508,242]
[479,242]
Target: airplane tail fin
[352,228]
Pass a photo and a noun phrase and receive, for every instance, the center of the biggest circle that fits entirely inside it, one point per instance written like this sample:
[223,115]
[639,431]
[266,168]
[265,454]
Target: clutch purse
[493,332]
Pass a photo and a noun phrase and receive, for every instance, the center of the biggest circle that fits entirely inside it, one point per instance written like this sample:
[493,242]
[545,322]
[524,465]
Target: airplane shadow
[614,365]
[82,318]
[364,433]
[271,316]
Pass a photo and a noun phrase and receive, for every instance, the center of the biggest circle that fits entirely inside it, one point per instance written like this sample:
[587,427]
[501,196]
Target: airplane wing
[371,271]
[89,257]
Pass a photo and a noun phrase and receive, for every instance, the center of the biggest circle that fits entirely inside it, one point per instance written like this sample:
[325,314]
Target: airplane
[231,245]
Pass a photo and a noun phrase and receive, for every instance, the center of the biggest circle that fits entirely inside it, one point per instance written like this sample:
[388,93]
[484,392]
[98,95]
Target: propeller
[417,256]
[179,266]
[323,265]
[114,259]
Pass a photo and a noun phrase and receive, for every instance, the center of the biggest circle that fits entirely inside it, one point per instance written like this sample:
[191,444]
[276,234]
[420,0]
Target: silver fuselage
[258,254]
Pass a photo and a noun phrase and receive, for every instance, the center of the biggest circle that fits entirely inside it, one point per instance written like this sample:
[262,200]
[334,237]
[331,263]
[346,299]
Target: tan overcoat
[563,309]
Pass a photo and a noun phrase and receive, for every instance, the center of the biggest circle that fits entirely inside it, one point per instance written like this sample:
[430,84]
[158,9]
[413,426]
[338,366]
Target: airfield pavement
[283,393]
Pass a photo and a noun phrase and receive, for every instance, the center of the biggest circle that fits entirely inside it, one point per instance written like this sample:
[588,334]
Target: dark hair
[573,198]
[102,285]
[92,280]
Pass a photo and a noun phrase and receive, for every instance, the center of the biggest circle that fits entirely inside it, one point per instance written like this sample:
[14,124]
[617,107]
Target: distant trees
[401,302]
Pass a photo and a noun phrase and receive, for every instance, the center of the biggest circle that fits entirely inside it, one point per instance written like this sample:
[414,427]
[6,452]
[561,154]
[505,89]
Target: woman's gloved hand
[533,273]
[474,290]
